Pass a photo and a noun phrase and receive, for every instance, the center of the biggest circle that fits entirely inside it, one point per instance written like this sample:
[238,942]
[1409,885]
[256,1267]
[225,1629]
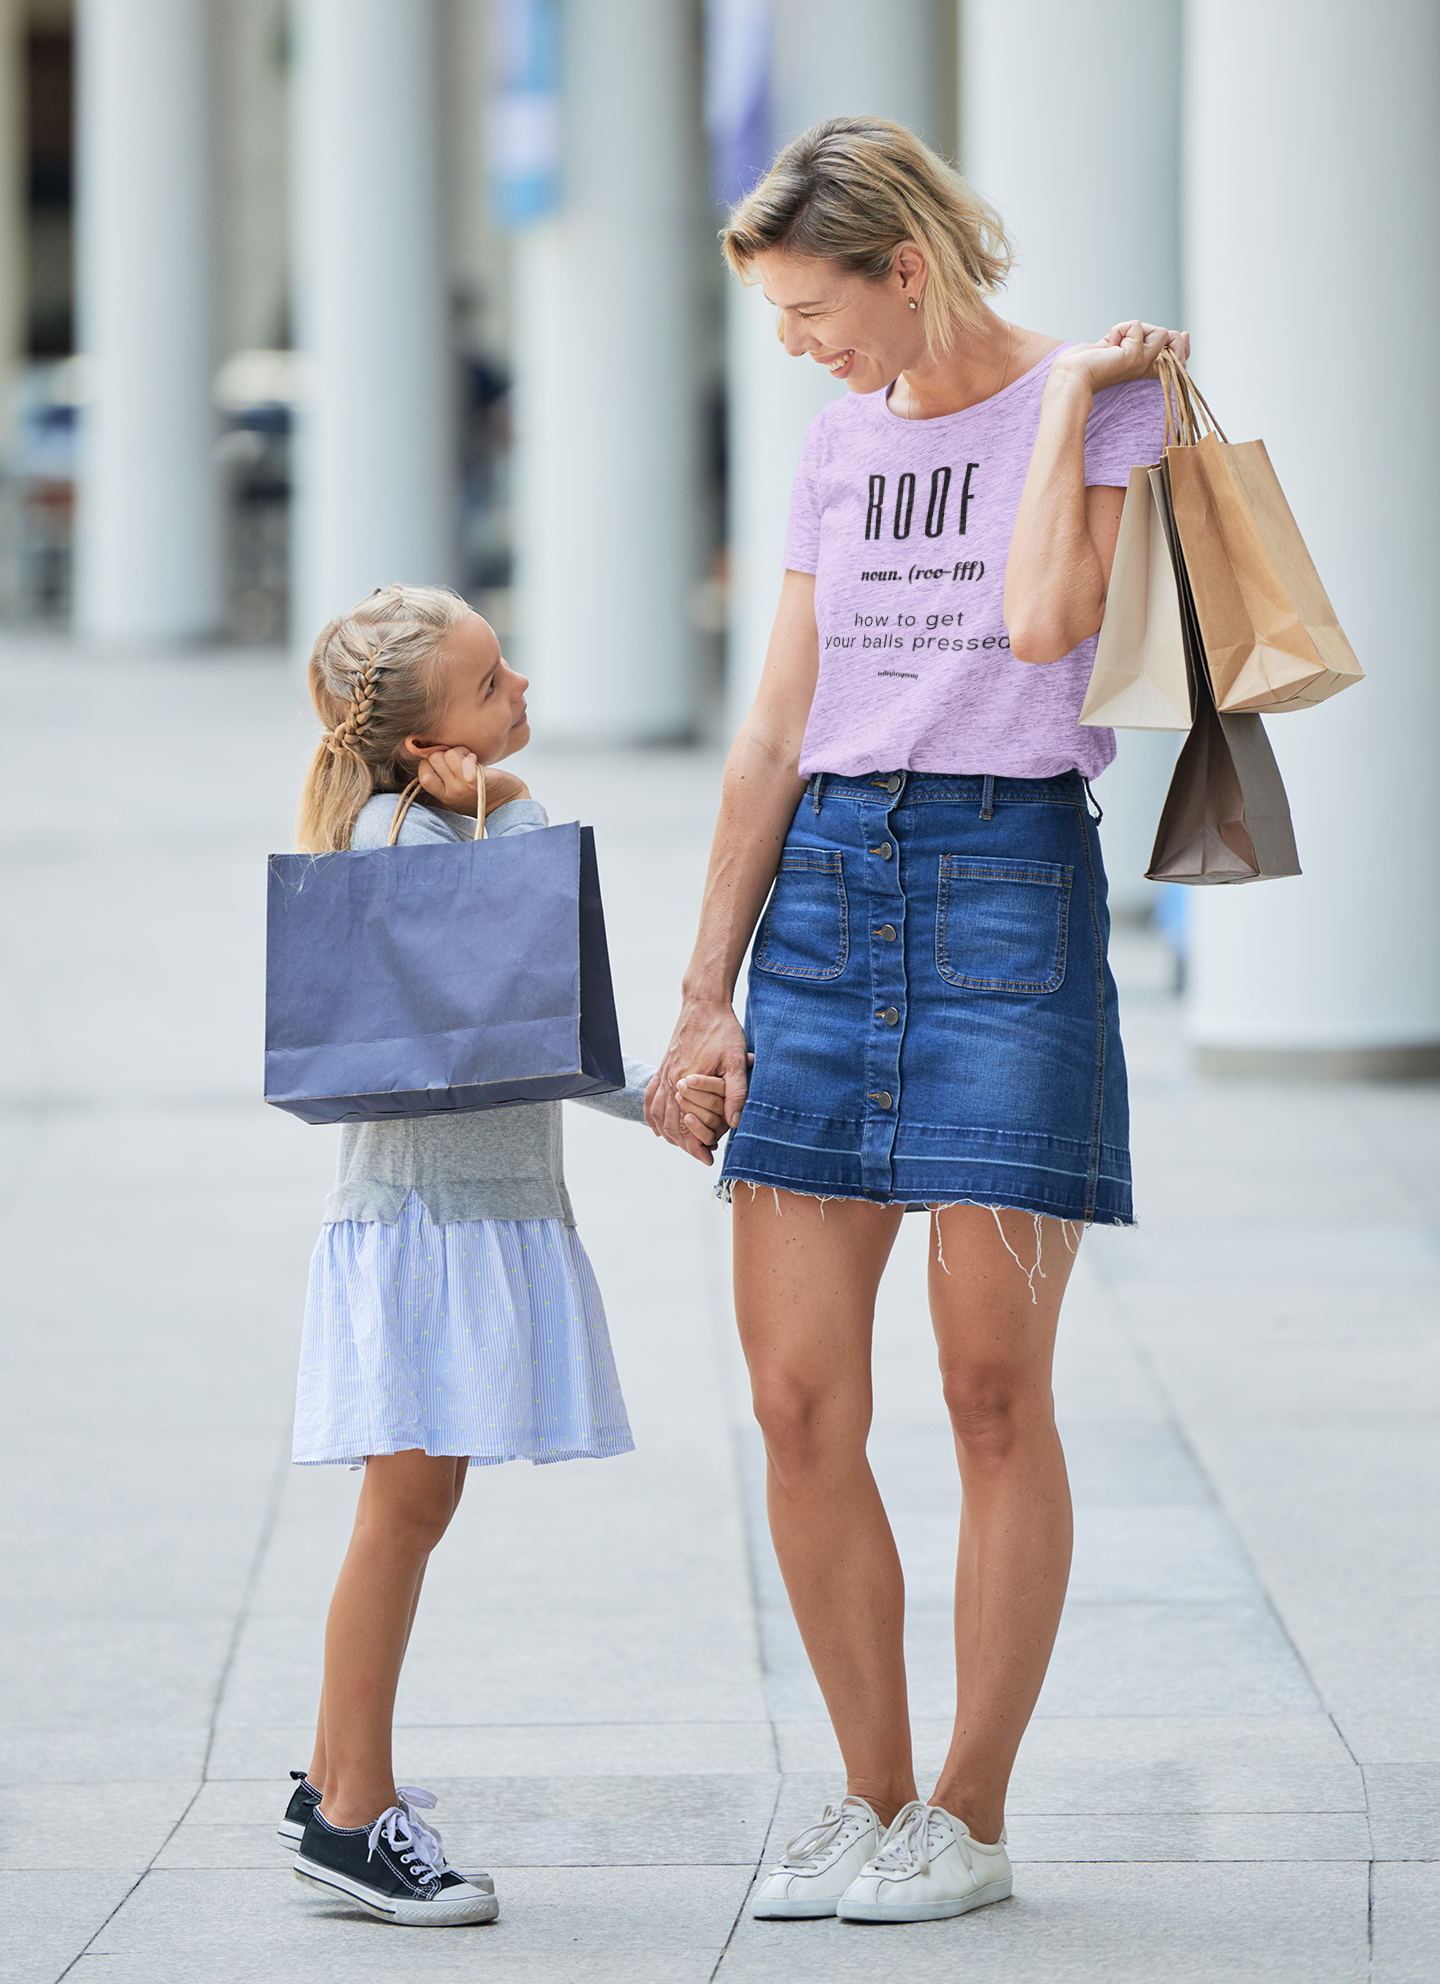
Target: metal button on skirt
[930,1004]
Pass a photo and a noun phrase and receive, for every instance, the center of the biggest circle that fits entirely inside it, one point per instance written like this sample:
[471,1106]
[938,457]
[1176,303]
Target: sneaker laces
[812,1841]
[905,1849]
[416,1845]
[416,1800]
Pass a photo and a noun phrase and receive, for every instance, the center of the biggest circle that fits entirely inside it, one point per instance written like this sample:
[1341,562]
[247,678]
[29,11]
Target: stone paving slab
[606,1685]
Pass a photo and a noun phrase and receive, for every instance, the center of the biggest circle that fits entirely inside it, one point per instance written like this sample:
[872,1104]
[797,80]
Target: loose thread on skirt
[1029,1273]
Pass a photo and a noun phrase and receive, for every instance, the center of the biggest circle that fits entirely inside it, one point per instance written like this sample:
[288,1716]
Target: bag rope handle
[1184,425]
[411,793]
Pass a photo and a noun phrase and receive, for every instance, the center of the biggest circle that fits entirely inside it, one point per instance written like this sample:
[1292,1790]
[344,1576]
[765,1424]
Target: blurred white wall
[1070,123]
[829,59]
[1312,222]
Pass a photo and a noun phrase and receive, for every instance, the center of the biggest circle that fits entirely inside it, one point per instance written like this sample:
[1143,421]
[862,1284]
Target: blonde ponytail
[374,682]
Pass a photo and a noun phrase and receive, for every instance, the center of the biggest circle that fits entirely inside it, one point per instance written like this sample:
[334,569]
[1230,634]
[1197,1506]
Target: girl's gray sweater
[477,1163]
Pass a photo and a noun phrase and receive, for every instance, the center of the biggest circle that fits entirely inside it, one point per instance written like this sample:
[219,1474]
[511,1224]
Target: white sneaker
[927,1867]
[820,1864]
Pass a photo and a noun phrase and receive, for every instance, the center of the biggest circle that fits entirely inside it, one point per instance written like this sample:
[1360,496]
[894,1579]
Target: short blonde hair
[374,682]
[852,191]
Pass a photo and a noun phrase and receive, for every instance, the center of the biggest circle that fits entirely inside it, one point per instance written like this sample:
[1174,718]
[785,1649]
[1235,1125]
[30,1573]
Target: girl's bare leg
[805,1300]
[996,1349]
[405,1505]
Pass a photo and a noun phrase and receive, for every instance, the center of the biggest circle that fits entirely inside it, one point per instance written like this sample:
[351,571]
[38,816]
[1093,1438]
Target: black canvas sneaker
[395,1868]
[303,1800]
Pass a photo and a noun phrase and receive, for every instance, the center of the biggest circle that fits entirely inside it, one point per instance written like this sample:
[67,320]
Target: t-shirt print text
[901,516]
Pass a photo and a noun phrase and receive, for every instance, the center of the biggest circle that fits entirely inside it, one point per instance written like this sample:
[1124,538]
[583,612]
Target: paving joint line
[242,1616]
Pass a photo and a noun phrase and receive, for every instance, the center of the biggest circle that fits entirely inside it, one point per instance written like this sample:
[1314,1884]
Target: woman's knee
[993,1406]
[805,1426]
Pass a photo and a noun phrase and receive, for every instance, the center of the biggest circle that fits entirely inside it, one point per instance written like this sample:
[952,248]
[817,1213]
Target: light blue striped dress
[430,1323]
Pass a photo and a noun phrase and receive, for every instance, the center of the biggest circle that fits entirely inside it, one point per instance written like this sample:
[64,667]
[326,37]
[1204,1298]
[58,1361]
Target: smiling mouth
[836,365]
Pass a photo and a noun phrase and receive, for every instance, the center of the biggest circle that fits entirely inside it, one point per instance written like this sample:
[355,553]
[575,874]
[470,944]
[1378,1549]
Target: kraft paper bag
[1226,817]
[1271,637]
[412,981]
[1139,678]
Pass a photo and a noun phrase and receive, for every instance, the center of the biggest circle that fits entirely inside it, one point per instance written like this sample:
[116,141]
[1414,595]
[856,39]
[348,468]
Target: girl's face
[864,333]
[485,705]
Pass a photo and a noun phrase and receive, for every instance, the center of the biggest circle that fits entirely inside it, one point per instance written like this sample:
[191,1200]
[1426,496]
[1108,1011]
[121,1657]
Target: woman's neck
[978,365]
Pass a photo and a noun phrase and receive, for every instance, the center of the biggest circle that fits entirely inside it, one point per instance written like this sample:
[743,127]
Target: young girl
[453,1318]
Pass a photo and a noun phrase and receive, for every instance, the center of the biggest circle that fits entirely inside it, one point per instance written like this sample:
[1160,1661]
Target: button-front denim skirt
[930,1004]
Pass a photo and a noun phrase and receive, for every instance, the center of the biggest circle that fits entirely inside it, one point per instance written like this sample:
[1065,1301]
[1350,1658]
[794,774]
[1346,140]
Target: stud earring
[913,304]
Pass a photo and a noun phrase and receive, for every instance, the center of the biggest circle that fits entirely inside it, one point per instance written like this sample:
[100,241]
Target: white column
[605,389]
[1070,122]
[831,58]
[374,458]
[148,525]
[1313,281]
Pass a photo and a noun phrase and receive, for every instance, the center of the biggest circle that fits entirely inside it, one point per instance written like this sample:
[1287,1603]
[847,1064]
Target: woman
[930,1010]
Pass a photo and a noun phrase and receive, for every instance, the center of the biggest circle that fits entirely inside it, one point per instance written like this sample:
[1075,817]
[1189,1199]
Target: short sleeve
[802,539]
[1126,430]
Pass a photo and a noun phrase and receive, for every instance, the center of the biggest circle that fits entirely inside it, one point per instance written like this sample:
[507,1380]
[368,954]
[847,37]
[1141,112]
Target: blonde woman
[930,1008]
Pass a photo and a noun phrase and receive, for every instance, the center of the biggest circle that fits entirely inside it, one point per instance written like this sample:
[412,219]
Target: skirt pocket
[1001,925]
[806,931]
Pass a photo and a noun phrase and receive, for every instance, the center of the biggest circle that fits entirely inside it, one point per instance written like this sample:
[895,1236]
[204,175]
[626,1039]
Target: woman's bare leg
[996,1350]
[805,1299]
[406,1502]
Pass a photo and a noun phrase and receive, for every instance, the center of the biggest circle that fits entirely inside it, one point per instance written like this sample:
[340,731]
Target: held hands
[452,779]
[708,1036]
[1128,351]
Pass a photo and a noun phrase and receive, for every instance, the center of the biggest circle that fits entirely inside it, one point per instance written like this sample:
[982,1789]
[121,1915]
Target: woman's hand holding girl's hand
[709,1037]
[1129,351]
[452,777]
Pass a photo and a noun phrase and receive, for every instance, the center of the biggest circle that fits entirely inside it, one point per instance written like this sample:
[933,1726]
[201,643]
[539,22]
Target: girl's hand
[501,788]
[1128,351]
[707,1036]
[701,1099]
[452,778]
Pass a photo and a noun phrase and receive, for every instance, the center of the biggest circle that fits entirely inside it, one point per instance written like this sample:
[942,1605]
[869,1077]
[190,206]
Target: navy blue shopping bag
[410,981]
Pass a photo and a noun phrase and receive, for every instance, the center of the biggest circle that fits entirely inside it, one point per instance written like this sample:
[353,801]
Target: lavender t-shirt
[906,525]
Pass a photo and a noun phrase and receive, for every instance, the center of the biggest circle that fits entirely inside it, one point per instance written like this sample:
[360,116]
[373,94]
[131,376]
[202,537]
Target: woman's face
[864,333]
[485,699]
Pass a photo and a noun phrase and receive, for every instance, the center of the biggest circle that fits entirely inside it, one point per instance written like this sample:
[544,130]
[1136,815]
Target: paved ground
[1235,1772]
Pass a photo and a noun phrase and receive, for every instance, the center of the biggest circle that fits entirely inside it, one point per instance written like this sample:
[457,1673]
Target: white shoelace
[811,1842]
[905,1849]
[416,1845]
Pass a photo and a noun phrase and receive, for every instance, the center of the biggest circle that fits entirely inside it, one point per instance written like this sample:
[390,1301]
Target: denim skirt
[930,1004]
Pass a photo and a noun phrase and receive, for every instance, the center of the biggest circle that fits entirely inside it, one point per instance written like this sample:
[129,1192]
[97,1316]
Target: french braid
[373,682]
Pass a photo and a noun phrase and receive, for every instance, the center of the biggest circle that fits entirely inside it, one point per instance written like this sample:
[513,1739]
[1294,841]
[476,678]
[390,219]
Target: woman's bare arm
[1064,541]
[761,790]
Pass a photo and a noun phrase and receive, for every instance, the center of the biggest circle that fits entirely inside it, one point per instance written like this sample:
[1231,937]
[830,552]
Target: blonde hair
[374,682]
[852,191]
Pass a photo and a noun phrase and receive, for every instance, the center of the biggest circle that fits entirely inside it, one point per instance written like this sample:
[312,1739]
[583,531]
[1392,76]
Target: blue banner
[525,130]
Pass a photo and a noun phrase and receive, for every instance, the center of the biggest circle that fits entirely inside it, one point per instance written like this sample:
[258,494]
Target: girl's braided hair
[374,682]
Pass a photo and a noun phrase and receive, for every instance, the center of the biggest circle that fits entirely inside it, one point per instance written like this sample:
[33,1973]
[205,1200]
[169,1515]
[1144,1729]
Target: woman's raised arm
[1064,540]
[761,790]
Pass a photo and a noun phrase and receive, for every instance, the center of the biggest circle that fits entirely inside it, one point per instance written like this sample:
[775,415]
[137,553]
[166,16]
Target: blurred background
[303,296]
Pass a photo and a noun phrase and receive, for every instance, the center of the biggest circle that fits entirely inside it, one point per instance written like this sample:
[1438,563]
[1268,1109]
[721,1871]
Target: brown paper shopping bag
[1139,681]
[1271,636]
[1226,817]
